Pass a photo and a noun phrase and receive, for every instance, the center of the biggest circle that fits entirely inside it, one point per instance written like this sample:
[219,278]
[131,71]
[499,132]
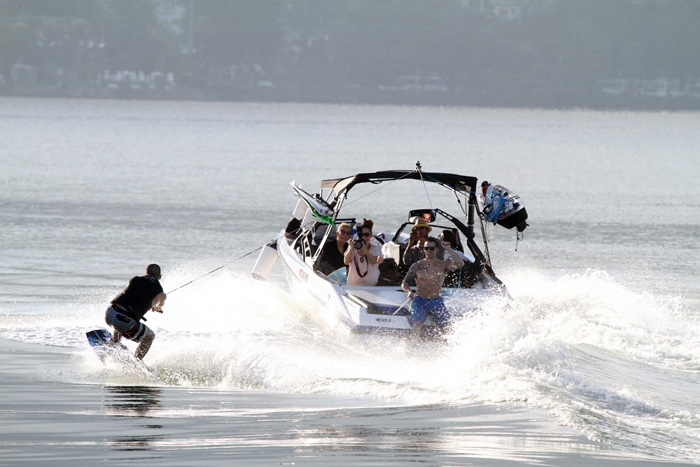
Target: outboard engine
[503,207]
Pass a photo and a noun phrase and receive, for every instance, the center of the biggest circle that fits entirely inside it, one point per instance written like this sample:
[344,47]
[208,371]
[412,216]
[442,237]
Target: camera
[357,235]
[359,244]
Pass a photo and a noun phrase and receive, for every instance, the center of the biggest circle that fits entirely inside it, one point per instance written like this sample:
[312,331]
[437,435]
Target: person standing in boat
[429,274]
[363,256]
[419,234]
[333,253]
[143,293]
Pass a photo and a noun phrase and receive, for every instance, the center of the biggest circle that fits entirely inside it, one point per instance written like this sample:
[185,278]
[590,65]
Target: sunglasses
[366,234]
[430,248]
[344,232]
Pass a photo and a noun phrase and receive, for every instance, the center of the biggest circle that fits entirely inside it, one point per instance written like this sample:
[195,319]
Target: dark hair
[153,270]
[367,224]
[431,240]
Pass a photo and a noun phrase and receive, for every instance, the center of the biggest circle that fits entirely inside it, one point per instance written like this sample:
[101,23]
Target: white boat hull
[365,309]
[384,308]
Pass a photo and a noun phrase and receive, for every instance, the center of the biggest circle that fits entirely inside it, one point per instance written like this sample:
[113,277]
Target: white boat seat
[392,250]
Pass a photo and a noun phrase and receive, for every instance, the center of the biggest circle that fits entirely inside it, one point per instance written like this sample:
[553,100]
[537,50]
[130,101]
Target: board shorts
[435,306]
[125,325]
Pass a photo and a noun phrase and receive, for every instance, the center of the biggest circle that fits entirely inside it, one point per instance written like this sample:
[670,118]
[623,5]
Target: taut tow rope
[214,270]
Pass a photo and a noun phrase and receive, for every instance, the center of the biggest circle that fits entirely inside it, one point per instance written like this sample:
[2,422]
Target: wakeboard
[107,351]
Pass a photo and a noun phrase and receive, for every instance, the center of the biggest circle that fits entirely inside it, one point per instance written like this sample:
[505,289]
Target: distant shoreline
[367,97]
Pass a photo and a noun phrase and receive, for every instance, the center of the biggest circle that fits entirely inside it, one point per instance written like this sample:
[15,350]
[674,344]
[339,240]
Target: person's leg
[416,330]
[141,334]
[116,335]
[417,317]
[117,322]
[441,315]
[144,344]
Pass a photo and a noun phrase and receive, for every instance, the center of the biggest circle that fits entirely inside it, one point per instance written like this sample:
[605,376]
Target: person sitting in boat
[414,249]
[333,253]
[363,256]
[429,274]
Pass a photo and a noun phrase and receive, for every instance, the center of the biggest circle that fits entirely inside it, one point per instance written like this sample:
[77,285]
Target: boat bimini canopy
[460,183]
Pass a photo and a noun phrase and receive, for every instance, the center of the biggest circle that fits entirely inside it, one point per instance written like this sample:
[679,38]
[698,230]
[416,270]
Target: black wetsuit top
[136,299]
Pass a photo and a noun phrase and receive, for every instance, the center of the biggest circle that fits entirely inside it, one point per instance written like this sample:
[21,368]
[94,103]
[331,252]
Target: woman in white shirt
[363,262]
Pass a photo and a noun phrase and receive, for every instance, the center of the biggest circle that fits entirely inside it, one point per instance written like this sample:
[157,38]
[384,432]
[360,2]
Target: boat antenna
[419,169]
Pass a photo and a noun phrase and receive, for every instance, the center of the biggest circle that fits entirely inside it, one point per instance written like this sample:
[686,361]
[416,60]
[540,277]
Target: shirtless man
[429,274]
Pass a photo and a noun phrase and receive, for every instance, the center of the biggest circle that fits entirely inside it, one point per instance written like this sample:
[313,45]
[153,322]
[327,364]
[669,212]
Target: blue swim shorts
[127,326]
[435,306]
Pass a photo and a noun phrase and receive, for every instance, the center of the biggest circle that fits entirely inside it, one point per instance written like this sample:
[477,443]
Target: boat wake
[618,363]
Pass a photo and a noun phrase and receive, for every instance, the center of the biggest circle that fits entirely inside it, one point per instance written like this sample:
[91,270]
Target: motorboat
[384,308]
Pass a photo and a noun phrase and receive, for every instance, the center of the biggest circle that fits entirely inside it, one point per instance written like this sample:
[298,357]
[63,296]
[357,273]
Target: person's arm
[374,254]
[412,239]
[411,274]
[347,257]
[456,262]
[409,256]
[158,302]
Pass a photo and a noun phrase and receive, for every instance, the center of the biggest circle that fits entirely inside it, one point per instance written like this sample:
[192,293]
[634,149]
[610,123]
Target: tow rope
[214,270]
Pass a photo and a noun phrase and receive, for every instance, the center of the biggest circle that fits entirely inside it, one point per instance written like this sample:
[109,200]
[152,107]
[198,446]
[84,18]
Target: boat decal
[303,276]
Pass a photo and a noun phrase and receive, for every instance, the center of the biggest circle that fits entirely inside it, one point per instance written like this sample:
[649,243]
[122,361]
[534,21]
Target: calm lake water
[595,362]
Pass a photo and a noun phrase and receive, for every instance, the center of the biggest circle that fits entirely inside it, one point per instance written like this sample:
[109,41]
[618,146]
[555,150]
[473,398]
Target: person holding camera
[363,256]
[419,234]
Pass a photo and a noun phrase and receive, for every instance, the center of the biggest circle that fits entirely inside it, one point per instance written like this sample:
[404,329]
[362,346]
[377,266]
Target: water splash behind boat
[607,358]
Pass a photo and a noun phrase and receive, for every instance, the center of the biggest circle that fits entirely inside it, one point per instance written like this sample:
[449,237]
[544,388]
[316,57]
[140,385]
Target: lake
[595,362]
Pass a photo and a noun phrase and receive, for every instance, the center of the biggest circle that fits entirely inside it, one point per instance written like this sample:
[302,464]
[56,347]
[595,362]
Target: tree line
[550,52]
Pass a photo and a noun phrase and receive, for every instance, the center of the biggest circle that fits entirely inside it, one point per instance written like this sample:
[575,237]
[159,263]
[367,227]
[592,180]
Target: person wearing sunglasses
[333,253]
[363,256]
[429,274]
[419,234]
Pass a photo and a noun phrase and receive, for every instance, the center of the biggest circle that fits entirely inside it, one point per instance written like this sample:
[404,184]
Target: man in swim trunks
[127,309]
[429,274]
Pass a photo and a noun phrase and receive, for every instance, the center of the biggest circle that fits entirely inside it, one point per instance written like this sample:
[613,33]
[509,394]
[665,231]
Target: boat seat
[392,249]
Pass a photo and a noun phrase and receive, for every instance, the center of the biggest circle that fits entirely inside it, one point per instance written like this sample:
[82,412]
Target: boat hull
[366,309]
